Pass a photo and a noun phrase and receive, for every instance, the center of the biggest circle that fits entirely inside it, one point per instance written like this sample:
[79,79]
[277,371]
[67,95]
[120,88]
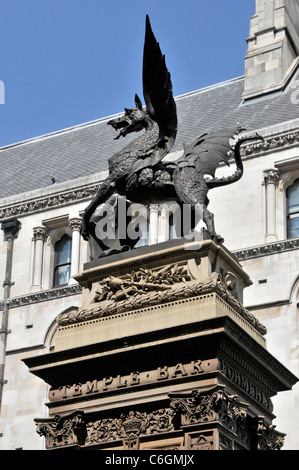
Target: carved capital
[11,227]
[75,224]
[267,436]
[62,430]
[271,177]
[213,405]
[198,407]
[40,233]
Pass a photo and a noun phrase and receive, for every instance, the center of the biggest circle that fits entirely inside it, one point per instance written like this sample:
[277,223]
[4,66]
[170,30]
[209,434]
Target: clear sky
[67,62]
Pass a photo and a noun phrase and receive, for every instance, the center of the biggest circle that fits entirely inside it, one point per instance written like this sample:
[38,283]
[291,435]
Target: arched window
[293,210]
[62,261]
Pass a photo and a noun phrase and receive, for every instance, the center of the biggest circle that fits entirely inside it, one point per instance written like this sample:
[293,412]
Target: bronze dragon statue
[138,172]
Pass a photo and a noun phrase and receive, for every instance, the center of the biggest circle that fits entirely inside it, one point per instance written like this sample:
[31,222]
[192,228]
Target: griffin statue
[138,172]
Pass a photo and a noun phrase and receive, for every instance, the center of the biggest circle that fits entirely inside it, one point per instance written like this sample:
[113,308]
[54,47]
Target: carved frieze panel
[140,282]
[227,418]
[145,288]
[130,426]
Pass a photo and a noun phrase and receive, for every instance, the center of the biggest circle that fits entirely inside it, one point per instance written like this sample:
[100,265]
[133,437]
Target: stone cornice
[271,144]
[59,199]
[43,296]
[267,249]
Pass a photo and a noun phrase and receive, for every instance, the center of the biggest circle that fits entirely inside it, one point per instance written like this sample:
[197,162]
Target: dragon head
[134,120]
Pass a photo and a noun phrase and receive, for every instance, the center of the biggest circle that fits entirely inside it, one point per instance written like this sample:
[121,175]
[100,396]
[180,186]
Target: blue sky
[67,62]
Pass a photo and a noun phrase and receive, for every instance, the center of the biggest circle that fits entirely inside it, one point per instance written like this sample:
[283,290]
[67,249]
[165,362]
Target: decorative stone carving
[141,282]
[129,427]
[213,405]
[63,430]
[268,249]
[186,409]
[209,405]
[42,296]
[271,176]
[40,233]
[170,294]
[75,224]
[268,437]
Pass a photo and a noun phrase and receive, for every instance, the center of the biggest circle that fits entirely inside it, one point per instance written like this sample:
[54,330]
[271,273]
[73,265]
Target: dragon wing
[157,89]
[208,151]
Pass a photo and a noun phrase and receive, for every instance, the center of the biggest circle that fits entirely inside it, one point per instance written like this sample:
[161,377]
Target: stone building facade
[41,248]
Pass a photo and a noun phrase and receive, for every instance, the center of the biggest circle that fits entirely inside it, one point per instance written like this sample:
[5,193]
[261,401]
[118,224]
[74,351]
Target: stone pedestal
[161,355]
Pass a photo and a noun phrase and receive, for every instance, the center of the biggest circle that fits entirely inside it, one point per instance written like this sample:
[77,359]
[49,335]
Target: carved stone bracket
[267,436]
[63,431]
[210,405]
[75,224]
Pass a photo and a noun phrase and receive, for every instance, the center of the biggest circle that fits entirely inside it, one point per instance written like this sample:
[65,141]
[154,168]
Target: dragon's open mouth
[119,123]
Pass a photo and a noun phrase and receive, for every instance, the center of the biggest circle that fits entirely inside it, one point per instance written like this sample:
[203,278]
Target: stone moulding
[188,290]
[43,296]
[38,204]
[272,143]
[267,249]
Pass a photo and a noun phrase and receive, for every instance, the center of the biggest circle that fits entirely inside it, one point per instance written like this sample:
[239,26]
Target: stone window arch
[50,336]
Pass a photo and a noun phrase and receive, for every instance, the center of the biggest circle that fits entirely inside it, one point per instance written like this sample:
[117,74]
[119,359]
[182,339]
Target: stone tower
[273,47]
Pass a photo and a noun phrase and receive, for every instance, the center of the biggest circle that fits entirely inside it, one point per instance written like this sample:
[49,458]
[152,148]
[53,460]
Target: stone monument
[161,354]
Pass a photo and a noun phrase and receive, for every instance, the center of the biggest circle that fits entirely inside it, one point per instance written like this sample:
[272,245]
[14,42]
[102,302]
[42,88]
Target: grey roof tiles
[85,149]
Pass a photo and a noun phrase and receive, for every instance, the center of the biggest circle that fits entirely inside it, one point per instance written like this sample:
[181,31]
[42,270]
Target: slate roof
[85,149]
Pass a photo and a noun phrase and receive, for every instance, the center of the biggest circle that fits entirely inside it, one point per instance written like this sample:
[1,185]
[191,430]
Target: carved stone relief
[63,431]
[186,409]
[268,437]
[146,287]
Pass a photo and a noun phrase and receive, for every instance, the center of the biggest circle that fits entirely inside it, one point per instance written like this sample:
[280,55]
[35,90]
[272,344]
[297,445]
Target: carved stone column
[153,223]
[271,178]
[39,237]
[75,225]
[10,228]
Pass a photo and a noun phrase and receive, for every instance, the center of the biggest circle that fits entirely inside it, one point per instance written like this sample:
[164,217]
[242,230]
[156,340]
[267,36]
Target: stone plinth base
[161,355]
